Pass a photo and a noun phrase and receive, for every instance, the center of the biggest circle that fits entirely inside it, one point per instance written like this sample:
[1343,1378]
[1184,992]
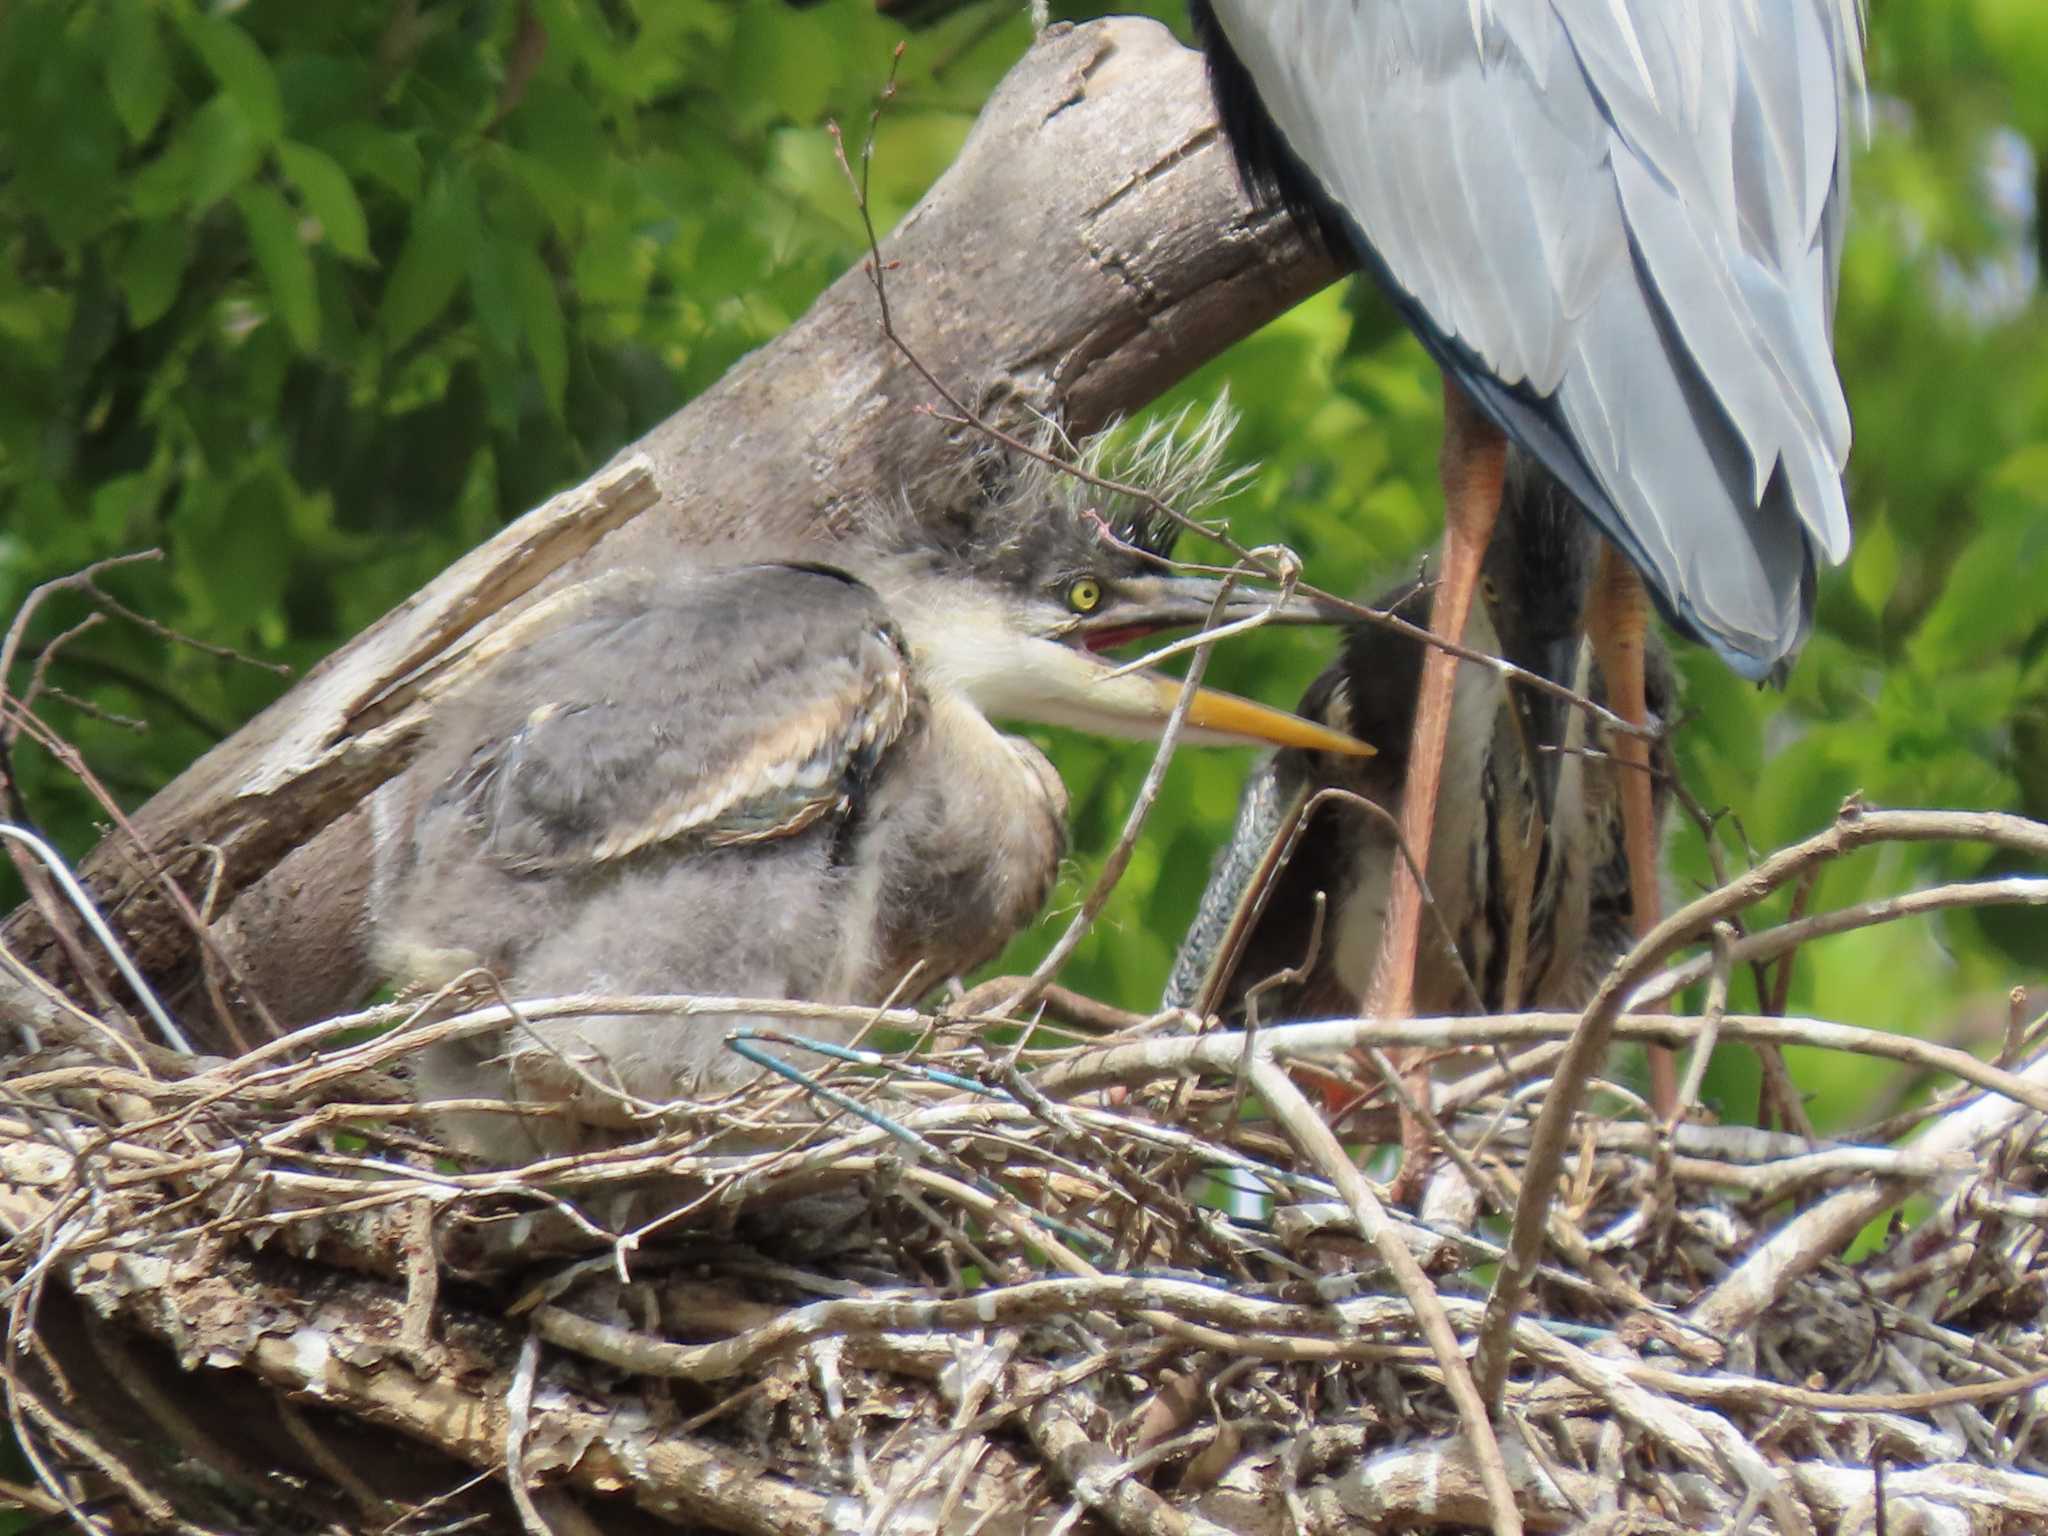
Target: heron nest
[989,1280]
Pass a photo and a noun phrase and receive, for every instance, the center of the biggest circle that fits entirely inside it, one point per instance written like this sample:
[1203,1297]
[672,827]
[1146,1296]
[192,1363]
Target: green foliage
[316,298]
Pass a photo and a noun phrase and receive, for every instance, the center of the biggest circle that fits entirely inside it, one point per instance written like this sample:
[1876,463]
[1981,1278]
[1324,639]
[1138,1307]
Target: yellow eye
[1084,595]
[1487,589]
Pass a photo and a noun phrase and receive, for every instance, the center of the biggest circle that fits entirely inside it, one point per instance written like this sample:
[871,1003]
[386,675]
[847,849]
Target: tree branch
[1089,247]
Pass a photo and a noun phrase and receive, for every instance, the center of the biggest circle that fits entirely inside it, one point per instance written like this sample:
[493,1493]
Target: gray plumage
[1618,225]
[1527,869]
[775,778]
[616,812]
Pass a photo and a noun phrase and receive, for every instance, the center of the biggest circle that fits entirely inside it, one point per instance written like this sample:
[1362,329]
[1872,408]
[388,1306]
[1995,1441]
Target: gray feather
[636,721]
[1633,206]
[549,850]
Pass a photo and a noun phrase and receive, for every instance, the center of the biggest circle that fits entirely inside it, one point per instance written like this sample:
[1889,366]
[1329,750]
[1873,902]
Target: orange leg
[1617,620]
[1473,465]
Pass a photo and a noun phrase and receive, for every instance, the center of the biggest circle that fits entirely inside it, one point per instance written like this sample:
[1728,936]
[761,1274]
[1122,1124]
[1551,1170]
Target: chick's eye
[1084,595]
[1487,589]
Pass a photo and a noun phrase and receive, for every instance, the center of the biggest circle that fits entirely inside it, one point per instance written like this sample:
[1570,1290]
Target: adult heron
[1616,225]
[1528,875]
[774,774]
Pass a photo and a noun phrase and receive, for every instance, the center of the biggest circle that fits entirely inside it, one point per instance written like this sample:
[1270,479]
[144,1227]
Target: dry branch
[1094,195]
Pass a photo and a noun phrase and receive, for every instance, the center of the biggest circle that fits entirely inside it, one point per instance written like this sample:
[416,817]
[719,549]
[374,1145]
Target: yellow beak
[1216,713]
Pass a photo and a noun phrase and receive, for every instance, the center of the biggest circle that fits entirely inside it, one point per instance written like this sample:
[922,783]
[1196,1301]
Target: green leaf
[540,309]
[152,267]
[612,272]
[1988,598]
[1874,566]
[286,264]
[233,59]
[494,295]
[557,193]
[62,140]
[124,503]
[235,547]
[325,189]
[560,141]
[163,186]
[787,67]
[430,269]
[225,152]
[375,154]
[138,70]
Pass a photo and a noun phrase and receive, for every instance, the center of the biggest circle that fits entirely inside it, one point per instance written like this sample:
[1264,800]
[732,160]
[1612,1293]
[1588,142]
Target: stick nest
[1055,1284]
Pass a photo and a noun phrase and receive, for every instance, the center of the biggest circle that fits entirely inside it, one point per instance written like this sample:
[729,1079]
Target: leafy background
[316,297]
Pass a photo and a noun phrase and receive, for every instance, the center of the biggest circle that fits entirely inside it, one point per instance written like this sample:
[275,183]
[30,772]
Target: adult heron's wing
[1617,222]
[722,707]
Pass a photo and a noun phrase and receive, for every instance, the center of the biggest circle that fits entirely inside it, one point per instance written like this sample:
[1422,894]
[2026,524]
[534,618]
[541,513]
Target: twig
[1781,978]
[518,1413]
[1818,1233]
[39,675]
[78,581]
[1134,823]
[1247,1325]
[82,904]
[1305,1128]
[1321,1040]
[998,996]
[68,757]
[1710,1023]
[2009,1052]
[1770,943]
[1101,1483]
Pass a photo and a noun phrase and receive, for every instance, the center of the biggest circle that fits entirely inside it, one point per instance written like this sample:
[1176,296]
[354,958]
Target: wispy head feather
[1009,513]
[1169,461]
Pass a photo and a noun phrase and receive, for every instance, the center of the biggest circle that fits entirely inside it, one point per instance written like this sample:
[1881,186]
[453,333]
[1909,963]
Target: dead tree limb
[1089,247]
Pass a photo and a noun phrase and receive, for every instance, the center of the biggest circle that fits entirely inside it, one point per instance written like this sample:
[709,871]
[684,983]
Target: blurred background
[314,298]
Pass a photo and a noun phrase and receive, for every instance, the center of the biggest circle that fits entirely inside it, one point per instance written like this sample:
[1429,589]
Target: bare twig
[1308,1132]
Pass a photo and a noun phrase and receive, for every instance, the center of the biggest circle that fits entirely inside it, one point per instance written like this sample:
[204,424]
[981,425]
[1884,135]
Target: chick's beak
[1220,718]
[1019,669]
[1146,605]
[1139,703]
[1064,686]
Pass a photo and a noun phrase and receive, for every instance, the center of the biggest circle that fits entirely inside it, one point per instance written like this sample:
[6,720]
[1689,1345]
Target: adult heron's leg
[1617,622]
[1473,465]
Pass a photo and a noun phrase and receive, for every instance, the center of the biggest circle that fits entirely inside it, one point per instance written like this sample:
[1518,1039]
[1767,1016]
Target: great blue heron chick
[774,774]
[1528,869]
